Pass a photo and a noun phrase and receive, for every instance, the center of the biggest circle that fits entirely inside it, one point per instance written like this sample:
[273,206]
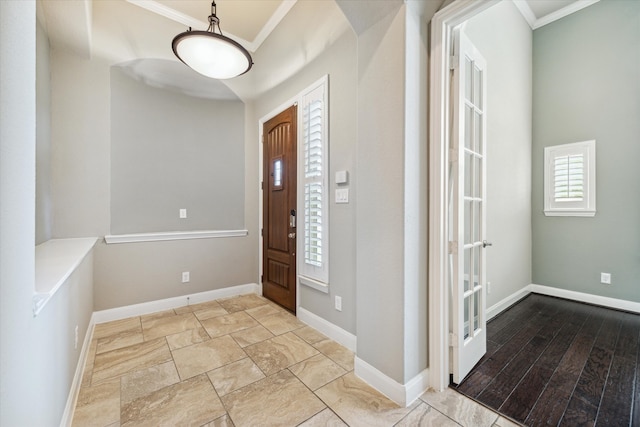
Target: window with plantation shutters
[313,111]
[570,171]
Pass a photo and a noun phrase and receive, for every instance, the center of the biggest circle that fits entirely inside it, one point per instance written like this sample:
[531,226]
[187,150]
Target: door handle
[292,235]
[485,244]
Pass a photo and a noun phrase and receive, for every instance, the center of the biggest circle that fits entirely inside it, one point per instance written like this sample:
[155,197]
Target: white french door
[467,202]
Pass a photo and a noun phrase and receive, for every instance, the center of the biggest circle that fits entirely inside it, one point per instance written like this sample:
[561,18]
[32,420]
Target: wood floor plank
[594,376]
[557,362]
[554,400]
[524,397]
[480,377]
[617,399]
[579,413]
[627,345]
[499,389]
[526,393]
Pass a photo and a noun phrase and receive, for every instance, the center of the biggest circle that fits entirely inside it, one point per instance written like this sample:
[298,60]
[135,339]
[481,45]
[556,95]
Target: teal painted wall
[586,85]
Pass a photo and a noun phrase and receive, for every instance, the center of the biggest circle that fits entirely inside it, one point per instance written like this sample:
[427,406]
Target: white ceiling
[122,31]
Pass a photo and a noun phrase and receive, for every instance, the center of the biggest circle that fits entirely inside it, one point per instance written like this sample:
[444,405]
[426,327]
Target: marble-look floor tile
[334,351]
[279,353]
[98,405]
[317,371]
[88,366]
[138,356]
[250,336]
[192,402]
[425,416]
[459,408]
[157,315]
[281,322]
[235,375]
[278,400]
[145,381]
[227,324]
[186,338]
[102,330]
[242,302]
[198,307]
[310,335]
[505,422]
[223,421]
[168,325]
[206,356]
[210,311]
[119,340]
[326,418]
[358,404]
[263,311]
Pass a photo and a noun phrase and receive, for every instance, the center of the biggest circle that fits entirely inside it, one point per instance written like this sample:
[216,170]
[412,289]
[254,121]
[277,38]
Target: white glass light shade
[211,54]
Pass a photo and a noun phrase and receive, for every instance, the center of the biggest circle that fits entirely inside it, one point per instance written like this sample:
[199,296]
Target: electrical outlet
[488,287]
[183,213]
[605,278]
[185,277]
[338,303]
[75,344]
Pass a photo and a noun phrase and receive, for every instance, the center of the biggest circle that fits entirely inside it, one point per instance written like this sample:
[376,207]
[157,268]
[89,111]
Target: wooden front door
[279,213]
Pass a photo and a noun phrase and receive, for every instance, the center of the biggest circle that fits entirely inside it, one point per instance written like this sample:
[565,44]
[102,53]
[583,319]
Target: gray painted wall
[81,186]
[509,127]
[339,61]
[80,154]
[380,197]
[37,355]
[43,138]
[587,86]
[171,151]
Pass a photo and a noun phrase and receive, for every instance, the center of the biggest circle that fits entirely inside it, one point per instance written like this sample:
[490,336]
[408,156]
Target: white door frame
[442,25]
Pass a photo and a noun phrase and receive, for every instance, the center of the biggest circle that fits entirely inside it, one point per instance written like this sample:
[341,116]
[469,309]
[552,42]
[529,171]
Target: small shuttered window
[570,179]
[314,180]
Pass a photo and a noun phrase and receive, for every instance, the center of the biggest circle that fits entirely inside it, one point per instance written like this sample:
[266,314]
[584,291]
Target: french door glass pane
[466,318]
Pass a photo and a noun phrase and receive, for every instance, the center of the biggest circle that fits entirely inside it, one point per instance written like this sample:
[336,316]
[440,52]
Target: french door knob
[485,244]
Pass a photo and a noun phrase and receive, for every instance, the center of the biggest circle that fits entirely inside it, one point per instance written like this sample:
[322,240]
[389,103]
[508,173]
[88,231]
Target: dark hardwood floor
[553,362]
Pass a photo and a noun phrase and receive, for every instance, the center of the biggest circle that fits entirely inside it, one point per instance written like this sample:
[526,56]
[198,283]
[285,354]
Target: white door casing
[468,208]
[442,25]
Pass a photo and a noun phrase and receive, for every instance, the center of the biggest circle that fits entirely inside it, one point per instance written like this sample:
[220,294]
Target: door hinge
[262,185]
[261,278]
[453,62]
[453,155]
[453,340]
[453,247]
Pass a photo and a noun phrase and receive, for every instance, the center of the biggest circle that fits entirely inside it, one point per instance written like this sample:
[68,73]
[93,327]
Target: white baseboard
[169,303]
[507,302]
[403,394]
[332,331]
[615,303]
[72,399]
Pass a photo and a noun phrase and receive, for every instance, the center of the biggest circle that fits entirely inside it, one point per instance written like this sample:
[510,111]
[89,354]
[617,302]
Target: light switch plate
[183,213]
[342,195]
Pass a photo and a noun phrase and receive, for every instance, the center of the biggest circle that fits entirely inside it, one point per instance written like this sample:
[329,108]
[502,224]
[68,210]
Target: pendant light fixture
[211,54]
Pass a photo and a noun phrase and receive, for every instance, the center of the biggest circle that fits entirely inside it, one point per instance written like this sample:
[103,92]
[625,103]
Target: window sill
[55,261]
[319,286]
[570,213]
[173,235]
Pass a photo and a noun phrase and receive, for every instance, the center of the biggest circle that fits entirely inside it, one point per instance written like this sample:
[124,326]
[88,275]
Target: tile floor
[241,361]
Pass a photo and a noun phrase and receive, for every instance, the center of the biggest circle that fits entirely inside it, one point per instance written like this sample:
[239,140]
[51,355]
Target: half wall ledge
[173,235]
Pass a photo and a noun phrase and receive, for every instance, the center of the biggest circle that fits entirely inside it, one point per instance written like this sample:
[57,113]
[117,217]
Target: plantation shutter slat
[314,181]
